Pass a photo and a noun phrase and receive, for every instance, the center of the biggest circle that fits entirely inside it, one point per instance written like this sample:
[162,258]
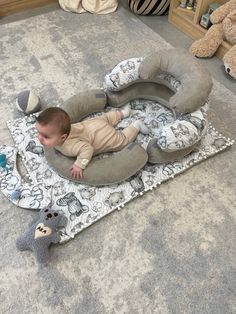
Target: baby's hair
[57,116]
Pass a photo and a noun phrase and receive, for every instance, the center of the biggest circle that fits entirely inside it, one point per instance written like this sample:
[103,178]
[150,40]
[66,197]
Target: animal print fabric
[123,73]
[175,135]
[83,204]
[127,71]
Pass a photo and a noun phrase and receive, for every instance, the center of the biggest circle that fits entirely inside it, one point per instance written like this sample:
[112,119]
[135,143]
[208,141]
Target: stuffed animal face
[50,218]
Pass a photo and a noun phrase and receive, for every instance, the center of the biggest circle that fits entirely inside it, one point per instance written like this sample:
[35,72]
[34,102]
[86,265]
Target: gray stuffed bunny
[42,233]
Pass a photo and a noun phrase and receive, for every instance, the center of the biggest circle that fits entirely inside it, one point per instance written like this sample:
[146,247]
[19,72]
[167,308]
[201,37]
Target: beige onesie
[95,136]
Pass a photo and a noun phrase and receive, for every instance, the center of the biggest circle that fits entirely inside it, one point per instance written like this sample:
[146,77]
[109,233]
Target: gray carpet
[171,251]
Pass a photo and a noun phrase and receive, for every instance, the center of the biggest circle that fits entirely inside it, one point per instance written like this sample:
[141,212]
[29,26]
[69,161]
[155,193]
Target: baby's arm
[84,152]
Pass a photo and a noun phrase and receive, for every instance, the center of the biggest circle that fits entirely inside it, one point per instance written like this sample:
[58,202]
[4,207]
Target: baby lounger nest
[150,78]
[99,171]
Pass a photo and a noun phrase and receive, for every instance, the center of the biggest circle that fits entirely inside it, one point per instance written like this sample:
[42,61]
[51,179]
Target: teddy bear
[224,27]
[41,233]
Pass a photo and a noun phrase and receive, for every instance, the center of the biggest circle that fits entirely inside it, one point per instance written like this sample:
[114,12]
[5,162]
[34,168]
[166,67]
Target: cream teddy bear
[223,28]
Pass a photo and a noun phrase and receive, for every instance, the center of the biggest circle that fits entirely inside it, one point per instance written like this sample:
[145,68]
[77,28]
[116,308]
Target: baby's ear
[64,136]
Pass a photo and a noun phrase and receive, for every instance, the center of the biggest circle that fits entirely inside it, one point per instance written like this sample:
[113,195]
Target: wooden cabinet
[8,7]
[188,21]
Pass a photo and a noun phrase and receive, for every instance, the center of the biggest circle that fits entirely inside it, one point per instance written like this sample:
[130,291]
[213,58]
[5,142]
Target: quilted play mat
[82,204]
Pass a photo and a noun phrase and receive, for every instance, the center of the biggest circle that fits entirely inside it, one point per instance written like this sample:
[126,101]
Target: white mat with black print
[82,204]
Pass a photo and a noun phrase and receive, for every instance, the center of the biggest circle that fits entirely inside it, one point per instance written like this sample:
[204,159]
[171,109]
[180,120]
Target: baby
[86,138]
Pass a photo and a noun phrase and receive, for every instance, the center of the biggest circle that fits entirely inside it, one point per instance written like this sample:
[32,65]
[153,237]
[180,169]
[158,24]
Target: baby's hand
[76,172]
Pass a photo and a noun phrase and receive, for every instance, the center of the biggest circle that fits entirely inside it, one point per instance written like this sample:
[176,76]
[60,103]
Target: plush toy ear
[44,210]
[220,13]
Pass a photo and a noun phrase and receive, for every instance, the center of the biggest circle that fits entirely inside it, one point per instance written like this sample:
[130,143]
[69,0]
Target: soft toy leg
[21,244]
[42,255]
[207,46]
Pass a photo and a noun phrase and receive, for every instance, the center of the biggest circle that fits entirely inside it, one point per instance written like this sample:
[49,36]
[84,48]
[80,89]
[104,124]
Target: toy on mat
[3,162]
[27,102]
[42,233]
[223,28]
[15,195]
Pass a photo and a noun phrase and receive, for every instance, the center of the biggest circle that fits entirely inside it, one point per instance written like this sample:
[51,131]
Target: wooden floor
[8,7]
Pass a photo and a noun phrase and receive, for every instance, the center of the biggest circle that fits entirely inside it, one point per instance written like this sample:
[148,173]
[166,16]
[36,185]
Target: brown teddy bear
[224,27]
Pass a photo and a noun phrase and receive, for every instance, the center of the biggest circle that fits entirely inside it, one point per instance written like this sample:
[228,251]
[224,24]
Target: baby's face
[49,135]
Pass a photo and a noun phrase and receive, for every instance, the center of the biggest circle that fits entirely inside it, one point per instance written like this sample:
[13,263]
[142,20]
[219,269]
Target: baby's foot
[139,125]
[126,110]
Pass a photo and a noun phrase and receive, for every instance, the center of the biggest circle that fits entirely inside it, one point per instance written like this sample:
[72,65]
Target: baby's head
[53,126]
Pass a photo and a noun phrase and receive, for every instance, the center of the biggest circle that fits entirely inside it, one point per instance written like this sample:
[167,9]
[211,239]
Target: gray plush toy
[42,233]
